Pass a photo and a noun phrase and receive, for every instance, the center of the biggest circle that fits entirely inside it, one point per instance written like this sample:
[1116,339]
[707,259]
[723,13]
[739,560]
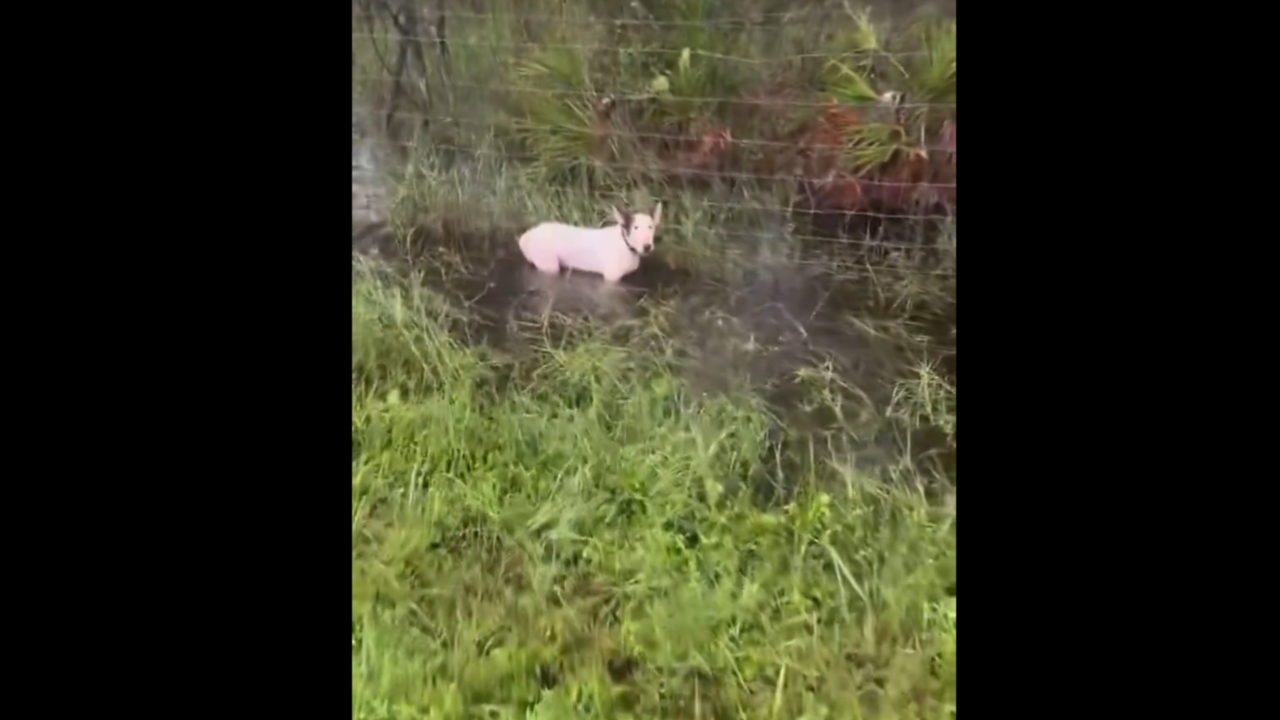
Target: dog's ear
[657,214]
[619,216]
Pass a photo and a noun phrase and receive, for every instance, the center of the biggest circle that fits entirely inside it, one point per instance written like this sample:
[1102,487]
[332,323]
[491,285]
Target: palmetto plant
[934,74]
[868,75]
[686,98]
[564,123]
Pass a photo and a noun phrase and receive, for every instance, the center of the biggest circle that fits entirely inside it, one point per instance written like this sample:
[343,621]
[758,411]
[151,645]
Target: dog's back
[553,244]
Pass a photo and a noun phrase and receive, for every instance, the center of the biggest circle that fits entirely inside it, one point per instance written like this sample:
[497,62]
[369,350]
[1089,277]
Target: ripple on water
[756,333]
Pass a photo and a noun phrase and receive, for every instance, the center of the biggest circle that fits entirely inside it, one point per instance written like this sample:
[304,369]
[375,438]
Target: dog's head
[639,229]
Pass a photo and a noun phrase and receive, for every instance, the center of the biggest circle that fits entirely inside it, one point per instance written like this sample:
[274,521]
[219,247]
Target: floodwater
[766,330]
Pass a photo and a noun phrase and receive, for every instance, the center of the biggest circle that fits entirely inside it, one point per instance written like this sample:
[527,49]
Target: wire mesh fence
[835,123]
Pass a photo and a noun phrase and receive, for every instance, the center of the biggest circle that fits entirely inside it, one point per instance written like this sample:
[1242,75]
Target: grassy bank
[569,533]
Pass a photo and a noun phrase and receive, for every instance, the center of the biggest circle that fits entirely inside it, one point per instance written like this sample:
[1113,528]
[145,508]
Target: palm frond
[558,124]
[864,36]
[560,68]
[934,75]
[872,145]
[845,83]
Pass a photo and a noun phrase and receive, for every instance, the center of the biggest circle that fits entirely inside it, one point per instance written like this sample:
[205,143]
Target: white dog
[613,251]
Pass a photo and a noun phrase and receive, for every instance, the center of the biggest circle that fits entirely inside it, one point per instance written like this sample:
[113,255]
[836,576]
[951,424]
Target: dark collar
[625,229]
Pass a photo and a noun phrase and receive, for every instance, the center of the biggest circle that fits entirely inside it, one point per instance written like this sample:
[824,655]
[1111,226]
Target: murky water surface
[764,329]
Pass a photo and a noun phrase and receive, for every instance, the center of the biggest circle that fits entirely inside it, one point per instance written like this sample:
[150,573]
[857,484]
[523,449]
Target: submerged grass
[571,533]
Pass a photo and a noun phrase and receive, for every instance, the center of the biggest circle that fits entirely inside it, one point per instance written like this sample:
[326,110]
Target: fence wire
[817,113]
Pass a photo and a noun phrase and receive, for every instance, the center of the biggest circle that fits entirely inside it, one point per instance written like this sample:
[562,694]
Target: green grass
[570,532]
[577,524]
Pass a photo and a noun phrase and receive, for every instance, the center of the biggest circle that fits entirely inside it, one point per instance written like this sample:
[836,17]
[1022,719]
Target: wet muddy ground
[790,332]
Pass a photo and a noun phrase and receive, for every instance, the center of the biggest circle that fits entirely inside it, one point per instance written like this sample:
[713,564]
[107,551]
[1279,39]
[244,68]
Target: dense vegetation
[573,523]
[816,107]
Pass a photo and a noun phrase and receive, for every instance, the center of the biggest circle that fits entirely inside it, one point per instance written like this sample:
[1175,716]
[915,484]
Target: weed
[582,539]
[732,497]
